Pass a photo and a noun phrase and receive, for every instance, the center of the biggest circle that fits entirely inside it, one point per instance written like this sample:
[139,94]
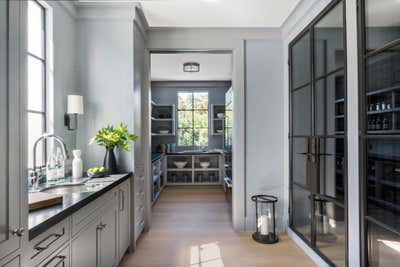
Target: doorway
[191,122]
[318,135]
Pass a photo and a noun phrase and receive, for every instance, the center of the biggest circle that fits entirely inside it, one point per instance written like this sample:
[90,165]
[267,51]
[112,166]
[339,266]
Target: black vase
[110,163]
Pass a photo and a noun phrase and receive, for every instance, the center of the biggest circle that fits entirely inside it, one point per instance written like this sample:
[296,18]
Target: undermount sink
[65,189]
[76,188]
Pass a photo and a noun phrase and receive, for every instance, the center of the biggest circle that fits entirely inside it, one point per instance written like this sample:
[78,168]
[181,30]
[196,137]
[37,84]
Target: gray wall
[166,93]
[105,77]
[64,73]
[264,124]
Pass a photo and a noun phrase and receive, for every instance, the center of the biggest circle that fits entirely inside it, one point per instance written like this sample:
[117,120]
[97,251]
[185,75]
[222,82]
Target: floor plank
[192,228]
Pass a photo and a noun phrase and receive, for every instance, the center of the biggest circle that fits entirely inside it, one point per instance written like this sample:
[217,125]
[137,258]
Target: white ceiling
[213,13]
[169,67]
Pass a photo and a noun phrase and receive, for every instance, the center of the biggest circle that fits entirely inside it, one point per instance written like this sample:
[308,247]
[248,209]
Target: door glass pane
[383,246]
[35,29]
[331,231]
[301,62]
[330,105]
[383,93]
[331,180]
[301,211]
[301,112]
[383,182]
[328,42]
[35,84]
[300,148]
[35,126]
[382,22]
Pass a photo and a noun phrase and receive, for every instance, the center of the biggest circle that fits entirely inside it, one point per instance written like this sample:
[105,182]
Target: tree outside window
[193,119]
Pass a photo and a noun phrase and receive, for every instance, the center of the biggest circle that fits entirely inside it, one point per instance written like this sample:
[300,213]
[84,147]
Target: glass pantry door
[318,135]
[380,133]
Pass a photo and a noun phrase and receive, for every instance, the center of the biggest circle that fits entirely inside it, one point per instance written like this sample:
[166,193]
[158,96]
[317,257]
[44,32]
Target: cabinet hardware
[123,200]
[61,259]
[101,226]
[18,232]
[56,237]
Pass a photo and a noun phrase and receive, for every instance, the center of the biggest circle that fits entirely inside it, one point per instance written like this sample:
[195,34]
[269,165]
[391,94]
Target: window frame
[193,110]
[43,60]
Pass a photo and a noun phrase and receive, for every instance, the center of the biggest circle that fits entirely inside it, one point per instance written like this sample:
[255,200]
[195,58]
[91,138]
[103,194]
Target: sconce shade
[75,104]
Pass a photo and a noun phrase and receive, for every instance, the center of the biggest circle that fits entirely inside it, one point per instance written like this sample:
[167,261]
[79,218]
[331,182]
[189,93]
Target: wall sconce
[74,107]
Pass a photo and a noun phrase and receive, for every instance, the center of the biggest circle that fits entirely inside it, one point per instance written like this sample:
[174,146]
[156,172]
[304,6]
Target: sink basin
[65,189]
[76,188]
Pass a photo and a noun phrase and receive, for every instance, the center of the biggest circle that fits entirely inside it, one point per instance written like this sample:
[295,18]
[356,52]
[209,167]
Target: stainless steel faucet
[35,173]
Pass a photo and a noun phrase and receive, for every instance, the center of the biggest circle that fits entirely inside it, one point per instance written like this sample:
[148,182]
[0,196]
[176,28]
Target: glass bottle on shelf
[377,106]
[371,107]
[383,105]
[385,124]
[388,106]
[373,124]
[378,124]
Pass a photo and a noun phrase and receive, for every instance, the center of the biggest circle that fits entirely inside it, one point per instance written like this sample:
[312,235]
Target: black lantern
[265,219]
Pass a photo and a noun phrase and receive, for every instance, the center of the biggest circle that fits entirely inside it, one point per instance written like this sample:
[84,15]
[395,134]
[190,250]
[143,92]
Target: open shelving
[162,119]
[158,167]
[193,173]
[217,123]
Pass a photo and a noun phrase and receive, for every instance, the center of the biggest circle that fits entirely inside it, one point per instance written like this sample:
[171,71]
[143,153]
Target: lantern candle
[265,219]
[263,224]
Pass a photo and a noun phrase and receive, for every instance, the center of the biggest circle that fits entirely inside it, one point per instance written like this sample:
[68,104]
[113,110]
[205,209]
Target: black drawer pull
[61,259]
[54,235]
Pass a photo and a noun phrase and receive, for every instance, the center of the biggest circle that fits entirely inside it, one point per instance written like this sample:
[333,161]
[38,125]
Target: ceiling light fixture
[191,67]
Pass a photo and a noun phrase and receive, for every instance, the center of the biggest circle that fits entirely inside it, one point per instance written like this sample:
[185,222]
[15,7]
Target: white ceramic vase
[77,164]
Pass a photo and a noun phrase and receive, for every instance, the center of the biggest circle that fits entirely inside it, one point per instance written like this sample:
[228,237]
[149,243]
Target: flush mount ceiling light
[191,67]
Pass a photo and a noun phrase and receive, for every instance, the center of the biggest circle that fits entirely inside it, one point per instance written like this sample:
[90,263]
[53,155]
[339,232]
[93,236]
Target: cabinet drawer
[46,243]
[90,212]
[58,259]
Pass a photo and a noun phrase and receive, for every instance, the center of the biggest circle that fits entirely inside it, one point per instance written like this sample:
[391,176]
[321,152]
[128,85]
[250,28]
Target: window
[193,119]
[36,79]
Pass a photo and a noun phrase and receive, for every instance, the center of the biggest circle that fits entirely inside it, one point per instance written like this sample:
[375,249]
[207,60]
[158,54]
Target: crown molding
[68,6]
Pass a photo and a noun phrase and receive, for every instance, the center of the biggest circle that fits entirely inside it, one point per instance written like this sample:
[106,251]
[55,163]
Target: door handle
[18,231]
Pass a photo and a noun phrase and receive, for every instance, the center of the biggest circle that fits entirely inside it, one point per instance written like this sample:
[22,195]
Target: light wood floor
[192,228]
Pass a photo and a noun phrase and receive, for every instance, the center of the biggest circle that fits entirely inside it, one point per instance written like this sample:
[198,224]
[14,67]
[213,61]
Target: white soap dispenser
[77,164]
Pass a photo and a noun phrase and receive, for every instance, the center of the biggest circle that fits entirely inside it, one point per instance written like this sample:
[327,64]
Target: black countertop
[41,220]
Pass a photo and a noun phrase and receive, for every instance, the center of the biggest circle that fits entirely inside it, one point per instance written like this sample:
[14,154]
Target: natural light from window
[193,119]
[36,79]
[206,255]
